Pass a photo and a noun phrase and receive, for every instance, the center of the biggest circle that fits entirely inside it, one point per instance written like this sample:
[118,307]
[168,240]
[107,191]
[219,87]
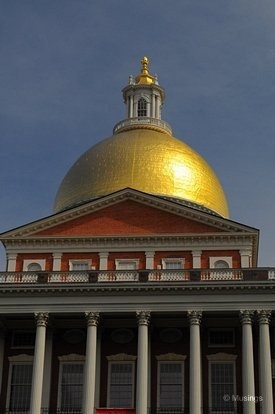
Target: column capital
[246,316]
[196,253]
[103,255]
[11,256]
[263,316]
[92,318]
[194,317]
[143,317]
[150,254]
[57,255]
[41,318]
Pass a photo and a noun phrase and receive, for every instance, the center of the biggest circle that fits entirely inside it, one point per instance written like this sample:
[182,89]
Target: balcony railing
[138,276]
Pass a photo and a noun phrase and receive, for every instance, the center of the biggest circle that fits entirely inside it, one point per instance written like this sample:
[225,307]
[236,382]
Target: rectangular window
[71,387]
[20,387]
[221,337]
[222,383]
[127,264]
[170,386]
[172,264]
[121,384]
[79,265]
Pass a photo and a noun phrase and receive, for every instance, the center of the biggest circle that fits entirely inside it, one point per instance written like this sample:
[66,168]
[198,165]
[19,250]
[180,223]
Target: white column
[38,363]
[98,366]
[48,370]
[2,344]
[142,363]
[11,265]
[265,377]
[149,260]
[57,261]
[245,258]
[195,362]
[90,363]
[153,107]
[131,106]
[103,260]
[196,259]
[247,362]
[158,107]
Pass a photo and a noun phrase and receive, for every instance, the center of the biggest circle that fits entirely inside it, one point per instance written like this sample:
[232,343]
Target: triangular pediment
[128,212]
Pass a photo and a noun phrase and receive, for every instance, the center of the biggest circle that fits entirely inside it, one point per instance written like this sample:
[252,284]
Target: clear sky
[63,64]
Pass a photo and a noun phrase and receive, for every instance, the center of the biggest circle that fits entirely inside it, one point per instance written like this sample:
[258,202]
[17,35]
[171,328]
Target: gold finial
[144,65]
[144,77]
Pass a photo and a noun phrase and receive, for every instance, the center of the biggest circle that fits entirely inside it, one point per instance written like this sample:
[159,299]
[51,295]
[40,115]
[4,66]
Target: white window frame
[119,264]
[221,345]
[162,361]
[124,361]
[21,359]
[226,259]
[180,260]
[67,360]
[27,262]
[80,261]
[228,360]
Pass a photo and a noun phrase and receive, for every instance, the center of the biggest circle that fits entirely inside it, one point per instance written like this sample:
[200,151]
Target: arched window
[34,267]
[221,264]
[142,107]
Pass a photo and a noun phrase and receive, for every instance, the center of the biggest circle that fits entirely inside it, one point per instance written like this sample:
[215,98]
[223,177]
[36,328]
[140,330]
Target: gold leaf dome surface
[146,160]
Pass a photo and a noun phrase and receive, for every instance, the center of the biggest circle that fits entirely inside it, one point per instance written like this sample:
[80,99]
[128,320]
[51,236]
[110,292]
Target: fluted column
[143,318]
[265,380]
[90,363]
[38,363]
[247,362]
[195,362]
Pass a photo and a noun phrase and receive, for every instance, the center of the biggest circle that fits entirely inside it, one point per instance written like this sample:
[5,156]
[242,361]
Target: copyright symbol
[226,397]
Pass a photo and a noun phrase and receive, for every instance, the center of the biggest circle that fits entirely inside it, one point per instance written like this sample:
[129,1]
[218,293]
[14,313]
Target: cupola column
[247,362]
[195,362]
[90,363]
[158,104]
[266,394]
[153,106]
[38,363]
[143,318]
[131,106]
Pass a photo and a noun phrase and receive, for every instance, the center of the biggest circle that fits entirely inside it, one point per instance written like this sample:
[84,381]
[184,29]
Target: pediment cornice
[168,205]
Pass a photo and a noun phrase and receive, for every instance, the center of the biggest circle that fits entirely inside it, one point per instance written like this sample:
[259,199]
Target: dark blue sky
[62,67]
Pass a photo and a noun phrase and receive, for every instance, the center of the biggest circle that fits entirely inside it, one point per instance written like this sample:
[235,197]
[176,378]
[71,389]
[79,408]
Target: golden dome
[143,159]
